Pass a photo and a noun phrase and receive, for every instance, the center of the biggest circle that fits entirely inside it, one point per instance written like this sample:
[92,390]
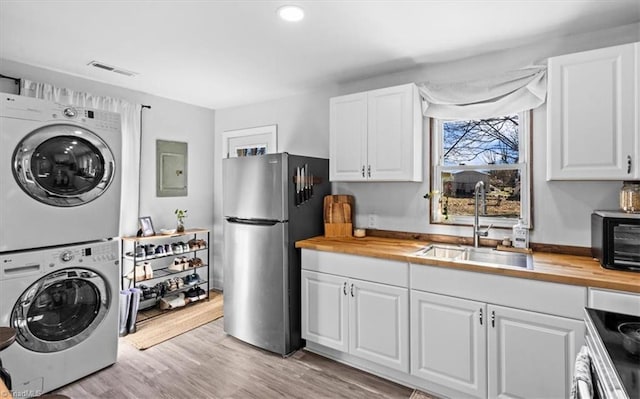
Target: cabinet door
[348,137]
[379,323]
[591,111]
[448,341]
[324,310]
[531,355]
[395,134]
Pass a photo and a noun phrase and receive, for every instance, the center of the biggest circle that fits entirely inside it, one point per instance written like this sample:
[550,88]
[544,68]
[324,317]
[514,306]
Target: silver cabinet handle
[369,170]
[344,288]
[480,316]
[628,164]
[362,170]
[352,290]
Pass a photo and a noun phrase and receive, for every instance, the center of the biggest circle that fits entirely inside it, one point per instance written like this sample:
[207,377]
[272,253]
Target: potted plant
[180,215]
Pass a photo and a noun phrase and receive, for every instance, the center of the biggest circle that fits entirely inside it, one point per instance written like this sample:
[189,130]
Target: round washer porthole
[60,310]
[63,165]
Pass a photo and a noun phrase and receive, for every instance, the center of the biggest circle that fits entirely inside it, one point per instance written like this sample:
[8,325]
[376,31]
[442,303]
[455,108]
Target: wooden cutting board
[338,213]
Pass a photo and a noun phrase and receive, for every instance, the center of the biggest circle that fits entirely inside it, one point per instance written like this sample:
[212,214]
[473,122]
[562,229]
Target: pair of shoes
[195,262]
[140,272]
[195,294]
[172,302]
[177,248]
[191,279]
[176,267]
[197,244]
[168,249]
[150,251]
[185,247]
[160,251]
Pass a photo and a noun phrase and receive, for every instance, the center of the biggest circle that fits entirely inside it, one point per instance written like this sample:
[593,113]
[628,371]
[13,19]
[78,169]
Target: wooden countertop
[559,268]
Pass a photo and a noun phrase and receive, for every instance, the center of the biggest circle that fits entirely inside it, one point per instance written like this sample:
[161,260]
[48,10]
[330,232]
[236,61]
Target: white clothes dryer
[64,304]
[59,173]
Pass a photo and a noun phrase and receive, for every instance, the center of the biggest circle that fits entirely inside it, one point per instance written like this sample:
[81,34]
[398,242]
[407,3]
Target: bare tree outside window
[487,150]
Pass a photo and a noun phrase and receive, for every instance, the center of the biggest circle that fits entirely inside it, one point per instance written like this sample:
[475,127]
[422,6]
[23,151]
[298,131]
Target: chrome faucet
[477,232]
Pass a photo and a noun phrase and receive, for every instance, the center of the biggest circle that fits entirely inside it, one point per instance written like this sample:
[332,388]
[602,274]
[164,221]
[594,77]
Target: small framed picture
[146,226]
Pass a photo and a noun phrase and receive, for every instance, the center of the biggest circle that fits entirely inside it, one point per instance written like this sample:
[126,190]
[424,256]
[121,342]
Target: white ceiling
[218,54]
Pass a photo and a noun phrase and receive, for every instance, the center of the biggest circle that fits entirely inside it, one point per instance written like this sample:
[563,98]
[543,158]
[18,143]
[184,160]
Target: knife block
[338,211]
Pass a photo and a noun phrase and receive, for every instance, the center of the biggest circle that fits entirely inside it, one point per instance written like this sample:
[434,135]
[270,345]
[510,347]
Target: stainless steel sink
[493,257]
[479,256]
[441,252]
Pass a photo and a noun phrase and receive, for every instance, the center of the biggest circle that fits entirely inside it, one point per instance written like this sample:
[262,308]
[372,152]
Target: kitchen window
[492,150]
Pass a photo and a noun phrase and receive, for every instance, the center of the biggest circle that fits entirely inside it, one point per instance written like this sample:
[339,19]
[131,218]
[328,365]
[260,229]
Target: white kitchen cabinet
[325,310]
[471,334]
[376,135]
[485,350]
[592,115]
[448,342]
[364,319]
[531,355]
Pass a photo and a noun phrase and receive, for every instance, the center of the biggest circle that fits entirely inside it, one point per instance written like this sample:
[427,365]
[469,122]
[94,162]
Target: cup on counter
[359,233]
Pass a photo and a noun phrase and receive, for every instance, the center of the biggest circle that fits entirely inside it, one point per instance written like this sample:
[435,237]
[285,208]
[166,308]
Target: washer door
[60,310]
[63,165]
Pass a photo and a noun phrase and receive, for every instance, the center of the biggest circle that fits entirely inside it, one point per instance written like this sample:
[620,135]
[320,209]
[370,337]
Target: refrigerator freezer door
[255,187]
[255,284]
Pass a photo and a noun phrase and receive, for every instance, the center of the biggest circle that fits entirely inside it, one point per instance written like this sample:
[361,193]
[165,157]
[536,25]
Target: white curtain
[130,116]
[508,93]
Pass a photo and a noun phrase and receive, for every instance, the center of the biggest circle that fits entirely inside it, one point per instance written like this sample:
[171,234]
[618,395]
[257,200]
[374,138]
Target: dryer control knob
[66,256]
[70,112]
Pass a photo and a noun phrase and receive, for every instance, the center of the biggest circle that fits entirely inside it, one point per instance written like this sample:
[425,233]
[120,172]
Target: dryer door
[60,310]
[63,165]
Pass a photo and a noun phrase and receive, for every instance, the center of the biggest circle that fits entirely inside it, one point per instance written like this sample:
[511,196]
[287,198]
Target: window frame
[523,165]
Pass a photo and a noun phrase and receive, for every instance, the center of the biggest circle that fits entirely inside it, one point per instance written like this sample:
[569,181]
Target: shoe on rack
[179,282]
[140,253]
[201,293]
[148,270]
[140,273]
[171,284]
[150,251]
[176,267]
[168,249]
[160,251]
[195,262]
[176,248]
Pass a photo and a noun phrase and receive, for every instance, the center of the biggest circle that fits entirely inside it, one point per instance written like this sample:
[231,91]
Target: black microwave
[615,239]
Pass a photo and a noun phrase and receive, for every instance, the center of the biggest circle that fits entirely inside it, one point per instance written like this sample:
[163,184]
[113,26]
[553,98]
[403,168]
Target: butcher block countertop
[559,268]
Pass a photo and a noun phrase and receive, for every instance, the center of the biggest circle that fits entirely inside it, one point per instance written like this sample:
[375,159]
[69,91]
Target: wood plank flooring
[207,363]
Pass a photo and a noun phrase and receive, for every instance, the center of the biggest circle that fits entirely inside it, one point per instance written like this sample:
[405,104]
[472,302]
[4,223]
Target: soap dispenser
[520,237]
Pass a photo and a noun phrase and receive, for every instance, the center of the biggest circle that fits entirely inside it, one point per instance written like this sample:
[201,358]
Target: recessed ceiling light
[291,13]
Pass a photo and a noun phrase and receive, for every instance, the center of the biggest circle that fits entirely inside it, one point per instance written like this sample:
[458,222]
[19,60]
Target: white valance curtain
[508,93]
[130,117]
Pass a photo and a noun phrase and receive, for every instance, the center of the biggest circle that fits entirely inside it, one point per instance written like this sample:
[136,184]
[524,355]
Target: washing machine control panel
[84,254]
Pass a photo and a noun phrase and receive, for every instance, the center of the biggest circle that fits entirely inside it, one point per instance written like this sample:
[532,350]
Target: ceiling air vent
[111,68]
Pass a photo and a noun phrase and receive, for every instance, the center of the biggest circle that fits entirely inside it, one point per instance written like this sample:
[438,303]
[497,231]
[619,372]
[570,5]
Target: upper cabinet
[376,135]
[593,116]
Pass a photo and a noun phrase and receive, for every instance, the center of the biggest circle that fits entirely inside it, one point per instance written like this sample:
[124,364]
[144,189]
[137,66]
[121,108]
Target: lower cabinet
[365,319]
[484,350]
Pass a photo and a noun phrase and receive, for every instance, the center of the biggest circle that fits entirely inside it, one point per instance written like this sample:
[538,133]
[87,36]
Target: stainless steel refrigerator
[269,202]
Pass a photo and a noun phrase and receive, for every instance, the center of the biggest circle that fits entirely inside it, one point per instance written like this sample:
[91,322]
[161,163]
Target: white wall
[561,209]
[166,120]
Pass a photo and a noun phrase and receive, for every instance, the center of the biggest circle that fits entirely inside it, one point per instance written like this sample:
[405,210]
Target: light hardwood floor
[207,363]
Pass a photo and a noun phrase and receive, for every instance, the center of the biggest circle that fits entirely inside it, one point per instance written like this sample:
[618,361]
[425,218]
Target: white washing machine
[64,304]
[59,173]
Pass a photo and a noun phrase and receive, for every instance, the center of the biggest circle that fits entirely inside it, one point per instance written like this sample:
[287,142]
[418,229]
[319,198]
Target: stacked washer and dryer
[59,212]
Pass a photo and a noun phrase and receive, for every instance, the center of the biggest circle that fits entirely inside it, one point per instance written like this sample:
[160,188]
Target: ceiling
[219,54]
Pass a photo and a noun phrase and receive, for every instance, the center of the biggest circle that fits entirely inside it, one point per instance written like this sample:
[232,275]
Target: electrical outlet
[373,221]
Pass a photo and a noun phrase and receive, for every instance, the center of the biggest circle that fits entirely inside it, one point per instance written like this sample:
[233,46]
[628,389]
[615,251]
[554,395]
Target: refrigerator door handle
[257,222]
